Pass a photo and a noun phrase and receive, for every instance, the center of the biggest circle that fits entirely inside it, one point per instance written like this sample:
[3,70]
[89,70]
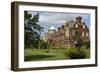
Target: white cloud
[49,19]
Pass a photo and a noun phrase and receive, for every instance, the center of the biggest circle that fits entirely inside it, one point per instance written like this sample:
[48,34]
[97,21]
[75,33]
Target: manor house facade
[68,34]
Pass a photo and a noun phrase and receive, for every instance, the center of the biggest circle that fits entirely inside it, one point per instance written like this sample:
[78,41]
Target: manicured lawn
[47,54]
[39,55]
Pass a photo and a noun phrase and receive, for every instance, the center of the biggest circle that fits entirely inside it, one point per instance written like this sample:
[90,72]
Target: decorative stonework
[68,34]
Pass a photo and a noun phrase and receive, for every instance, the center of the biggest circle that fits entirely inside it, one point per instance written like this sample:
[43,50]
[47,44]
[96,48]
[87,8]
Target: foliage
[75,53]
[86,44]
[32,30]
[43,44]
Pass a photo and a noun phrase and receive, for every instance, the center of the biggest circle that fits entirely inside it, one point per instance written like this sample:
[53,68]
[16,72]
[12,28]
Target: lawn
[48,54]
[39,55]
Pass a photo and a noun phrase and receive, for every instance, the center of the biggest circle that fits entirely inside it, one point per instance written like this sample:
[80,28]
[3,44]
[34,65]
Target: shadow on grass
[37,57]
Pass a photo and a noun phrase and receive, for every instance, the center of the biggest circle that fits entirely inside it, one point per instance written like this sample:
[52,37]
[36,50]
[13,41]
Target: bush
[75,53]
[82,53]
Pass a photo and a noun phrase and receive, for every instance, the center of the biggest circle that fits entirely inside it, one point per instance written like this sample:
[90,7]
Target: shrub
[82,53]
[84,47]
[75,53]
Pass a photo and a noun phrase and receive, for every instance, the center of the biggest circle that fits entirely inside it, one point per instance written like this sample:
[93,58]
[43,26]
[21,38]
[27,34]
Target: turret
[52,30]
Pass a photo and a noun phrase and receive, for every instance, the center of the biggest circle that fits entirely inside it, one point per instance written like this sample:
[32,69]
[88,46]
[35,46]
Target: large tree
[32,30]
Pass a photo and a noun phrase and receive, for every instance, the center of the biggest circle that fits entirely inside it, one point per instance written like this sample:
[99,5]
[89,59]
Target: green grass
[39,55]
[49,54]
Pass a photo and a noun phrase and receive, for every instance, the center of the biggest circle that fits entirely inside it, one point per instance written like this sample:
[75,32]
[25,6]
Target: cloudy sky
[56,19]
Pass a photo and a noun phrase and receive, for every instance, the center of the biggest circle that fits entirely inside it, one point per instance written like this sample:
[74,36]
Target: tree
[43,44]
[32,30]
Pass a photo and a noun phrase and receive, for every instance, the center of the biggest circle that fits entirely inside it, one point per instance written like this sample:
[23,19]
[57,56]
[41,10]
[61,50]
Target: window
[76,25]
[83,26]
[87,34]
[73,33]
[83,34]
[67,31]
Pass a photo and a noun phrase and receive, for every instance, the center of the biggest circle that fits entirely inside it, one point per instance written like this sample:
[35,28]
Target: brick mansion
[68,34]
